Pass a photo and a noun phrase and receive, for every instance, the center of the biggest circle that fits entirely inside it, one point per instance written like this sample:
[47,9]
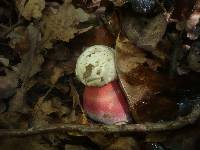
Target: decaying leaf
[30,65]
[31,8]
[75,147]
[50,111]
[32,58]
[184,139]
[194,57]
[145,32]
[8,84]
[62,24]
[31,143]
[11,120]
[119,2]
[38,60]
[19,39]
[143,86]
[25,40]
[4,61]
[124,143]
[192,25]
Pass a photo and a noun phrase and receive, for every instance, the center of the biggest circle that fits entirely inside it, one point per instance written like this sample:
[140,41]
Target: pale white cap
[96,66]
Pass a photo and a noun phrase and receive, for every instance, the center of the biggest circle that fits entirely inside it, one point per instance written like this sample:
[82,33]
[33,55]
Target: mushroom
[103,99]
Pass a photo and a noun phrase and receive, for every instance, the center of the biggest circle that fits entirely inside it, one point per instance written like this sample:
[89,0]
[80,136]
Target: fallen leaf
[50,111]
[19,39]
[75,147]
[4,61]
[62,24]
[31,59]
[143,85]
[31,143]
[8,85]
[10,120]
[192,24]
[194,57]
[144,32]
[124,143]
[31,8]
[35,67]
[119,2]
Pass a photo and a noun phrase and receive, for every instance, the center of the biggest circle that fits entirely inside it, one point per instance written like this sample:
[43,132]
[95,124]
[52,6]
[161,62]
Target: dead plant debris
[157,57]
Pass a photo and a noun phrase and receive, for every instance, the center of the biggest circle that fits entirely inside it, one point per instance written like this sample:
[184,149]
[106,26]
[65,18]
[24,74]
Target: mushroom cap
[96,66]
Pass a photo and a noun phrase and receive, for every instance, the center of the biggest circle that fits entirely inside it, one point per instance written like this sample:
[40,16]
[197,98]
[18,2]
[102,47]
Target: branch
[180,122]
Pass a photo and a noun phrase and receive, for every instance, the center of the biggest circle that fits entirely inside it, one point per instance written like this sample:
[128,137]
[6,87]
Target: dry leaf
[32,59]
[57,73]
[23,39]
[75,147]
[192,24]
[145,32]
[62,24]
[142,85]
[124,143]
[194,57]
[30,143]
[50,111]
[10,120]
[4,61]
[119,2]
[19,39]
[8,84]
[31,8]
[35,66]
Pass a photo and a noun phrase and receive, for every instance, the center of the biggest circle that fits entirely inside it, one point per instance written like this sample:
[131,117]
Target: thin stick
[180,122]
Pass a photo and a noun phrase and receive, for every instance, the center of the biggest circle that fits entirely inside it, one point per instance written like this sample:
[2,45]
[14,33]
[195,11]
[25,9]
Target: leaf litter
[157,59]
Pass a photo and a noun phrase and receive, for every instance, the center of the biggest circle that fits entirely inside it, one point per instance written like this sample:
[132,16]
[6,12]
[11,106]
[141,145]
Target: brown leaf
[57,73]
[143,86]
[182,9]
[50,111]
[31,8]
[145,32]
[19,39]
[25,41]
[192,24]
[194,57]
[9,120]
[31,143]
[8,84]
[62,24]
[38,60]
[124,143]
[29,66]
[75,147]
[118,2]
[32,58]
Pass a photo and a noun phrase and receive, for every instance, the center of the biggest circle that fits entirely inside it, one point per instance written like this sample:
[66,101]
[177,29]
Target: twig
[180,122]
